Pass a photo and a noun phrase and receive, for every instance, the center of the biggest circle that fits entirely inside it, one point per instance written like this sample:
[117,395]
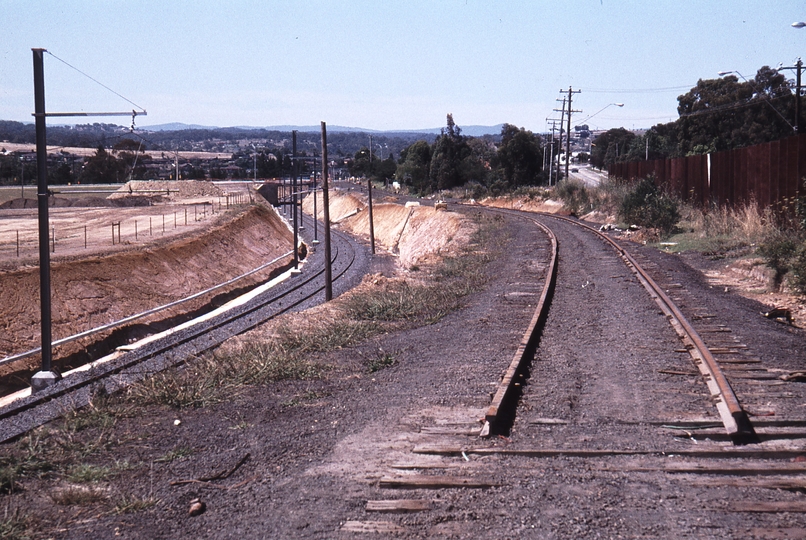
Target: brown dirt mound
[83,202]
[187,189]
[413,233]
[98,290]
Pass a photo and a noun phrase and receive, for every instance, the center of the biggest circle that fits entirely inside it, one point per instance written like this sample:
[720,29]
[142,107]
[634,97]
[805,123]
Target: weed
[15,525]
[129,504]
[380,361]
[177,453]
[647,206]
[85,474]
[574,194]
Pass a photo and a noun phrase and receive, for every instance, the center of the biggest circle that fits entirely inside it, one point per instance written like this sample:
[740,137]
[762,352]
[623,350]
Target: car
[574,170]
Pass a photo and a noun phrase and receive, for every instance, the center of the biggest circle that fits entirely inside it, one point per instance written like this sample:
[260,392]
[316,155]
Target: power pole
[798,67]
[46,376]
[294,196]
[559,147]
[325,202]
[551,151]
[568,131]
[369,194]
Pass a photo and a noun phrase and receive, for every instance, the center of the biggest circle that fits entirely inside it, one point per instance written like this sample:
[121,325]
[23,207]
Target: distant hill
[471,131]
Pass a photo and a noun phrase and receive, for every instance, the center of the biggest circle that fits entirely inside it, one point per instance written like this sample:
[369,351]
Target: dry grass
[720,232]
[292,352]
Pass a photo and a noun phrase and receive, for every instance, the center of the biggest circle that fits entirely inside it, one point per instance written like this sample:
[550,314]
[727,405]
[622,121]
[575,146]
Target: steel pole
[798,124]
[294,195]
[326,218]
[45,377]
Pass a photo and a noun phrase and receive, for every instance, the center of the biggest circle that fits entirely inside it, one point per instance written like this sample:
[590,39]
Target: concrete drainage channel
[131,363]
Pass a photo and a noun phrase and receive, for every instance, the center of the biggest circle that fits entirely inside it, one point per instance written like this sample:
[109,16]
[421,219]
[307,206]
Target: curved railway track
[130,363]
[734,417]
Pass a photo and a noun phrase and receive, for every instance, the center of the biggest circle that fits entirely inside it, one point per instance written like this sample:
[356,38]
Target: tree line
[714,116]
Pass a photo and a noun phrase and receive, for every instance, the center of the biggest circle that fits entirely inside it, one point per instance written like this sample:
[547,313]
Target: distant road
[588,175]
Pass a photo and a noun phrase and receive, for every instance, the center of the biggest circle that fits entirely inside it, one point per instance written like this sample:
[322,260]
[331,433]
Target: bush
[574,195]
[648,206]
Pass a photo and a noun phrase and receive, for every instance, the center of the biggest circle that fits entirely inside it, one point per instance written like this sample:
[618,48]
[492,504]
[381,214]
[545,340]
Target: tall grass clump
[646,205]
[574,195]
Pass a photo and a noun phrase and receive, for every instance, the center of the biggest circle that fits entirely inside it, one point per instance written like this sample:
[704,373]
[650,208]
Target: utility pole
[294,196]
[369,192]
[568,131]
[798,67]
[325,202]
[551,151]
[560,145]
[45,377]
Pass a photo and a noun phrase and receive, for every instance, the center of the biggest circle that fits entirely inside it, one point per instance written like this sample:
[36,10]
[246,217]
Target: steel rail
[497,420]
[733,416]
[130,363]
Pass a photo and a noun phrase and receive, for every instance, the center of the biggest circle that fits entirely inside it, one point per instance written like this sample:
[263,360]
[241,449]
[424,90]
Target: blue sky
[385,64]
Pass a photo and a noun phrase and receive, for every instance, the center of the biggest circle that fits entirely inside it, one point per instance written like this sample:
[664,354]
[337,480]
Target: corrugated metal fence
[771,174]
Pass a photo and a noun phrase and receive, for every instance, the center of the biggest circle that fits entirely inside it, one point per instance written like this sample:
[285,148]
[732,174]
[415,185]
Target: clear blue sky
[385,64]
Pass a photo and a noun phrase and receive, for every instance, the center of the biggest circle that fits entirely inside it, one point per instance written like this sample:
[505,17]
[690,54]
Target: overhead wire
[96,81]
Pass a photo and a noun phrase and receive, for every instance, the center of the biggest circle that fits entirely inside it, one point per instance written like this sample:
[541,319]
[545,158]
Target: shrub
[648,206]
[778,251]
[574,195]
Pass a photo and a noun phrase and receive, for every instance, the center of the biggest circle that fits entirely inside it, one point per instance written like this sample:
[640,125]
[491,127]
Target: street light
[600,110]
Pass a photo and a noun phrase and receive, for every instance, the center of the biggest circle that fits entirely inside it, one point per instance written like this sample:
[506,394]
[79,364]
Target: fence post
[53,239]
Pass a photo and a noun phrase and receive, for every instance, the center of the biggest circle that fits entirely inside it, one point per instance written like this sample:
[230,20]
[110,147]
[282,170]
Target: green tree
[519,156]
[610,147]
[102,168]
[450,149]
[414,166]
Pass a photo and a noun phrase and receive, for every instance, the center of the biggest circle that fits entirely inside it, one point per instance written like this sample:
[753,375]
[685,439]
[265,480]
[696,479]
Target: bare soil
[132,277]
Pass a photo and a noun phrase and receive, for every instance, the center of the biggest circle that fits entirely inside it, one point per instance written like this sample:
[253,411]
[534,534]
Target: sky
[384,64]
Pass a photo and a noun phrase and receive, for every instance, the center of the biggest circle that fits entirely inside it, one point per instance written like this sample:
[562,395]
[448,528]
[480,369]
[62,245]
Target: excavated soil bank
[97,290]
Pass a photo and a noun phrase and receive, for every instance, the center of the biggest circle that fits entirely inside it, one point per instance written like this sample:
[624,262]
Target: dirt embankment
[412,233]
[97,290]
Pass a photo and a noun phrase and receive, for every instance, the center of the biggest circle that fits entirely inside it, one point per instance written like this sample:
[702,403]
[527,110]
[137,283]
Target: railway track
[630,388]
[130,363]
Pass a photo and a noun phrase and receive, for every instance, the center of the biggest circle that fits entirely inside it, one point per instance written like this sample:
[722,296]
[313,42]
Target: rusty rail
[733,416]
[495,421]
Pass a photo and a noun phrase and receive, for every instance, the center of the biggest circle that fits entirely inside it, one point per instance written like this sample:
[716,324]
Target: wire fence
[76,230]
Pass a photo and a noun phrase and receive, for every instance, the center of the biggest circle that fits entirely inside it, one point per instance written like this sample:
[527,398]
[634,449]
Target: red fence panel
[771,174]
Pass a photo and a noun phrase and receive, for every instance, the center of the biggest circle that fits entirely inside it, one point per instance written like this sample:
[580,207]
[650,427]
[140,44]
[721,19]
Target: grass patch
[87,474]
[292,352]
[15,525]
[129,504]
[179,452]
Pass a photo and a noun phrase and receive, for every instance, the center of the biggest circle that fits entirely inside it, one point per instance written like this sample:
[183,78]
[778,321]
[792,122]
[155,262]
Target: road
[588,175]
